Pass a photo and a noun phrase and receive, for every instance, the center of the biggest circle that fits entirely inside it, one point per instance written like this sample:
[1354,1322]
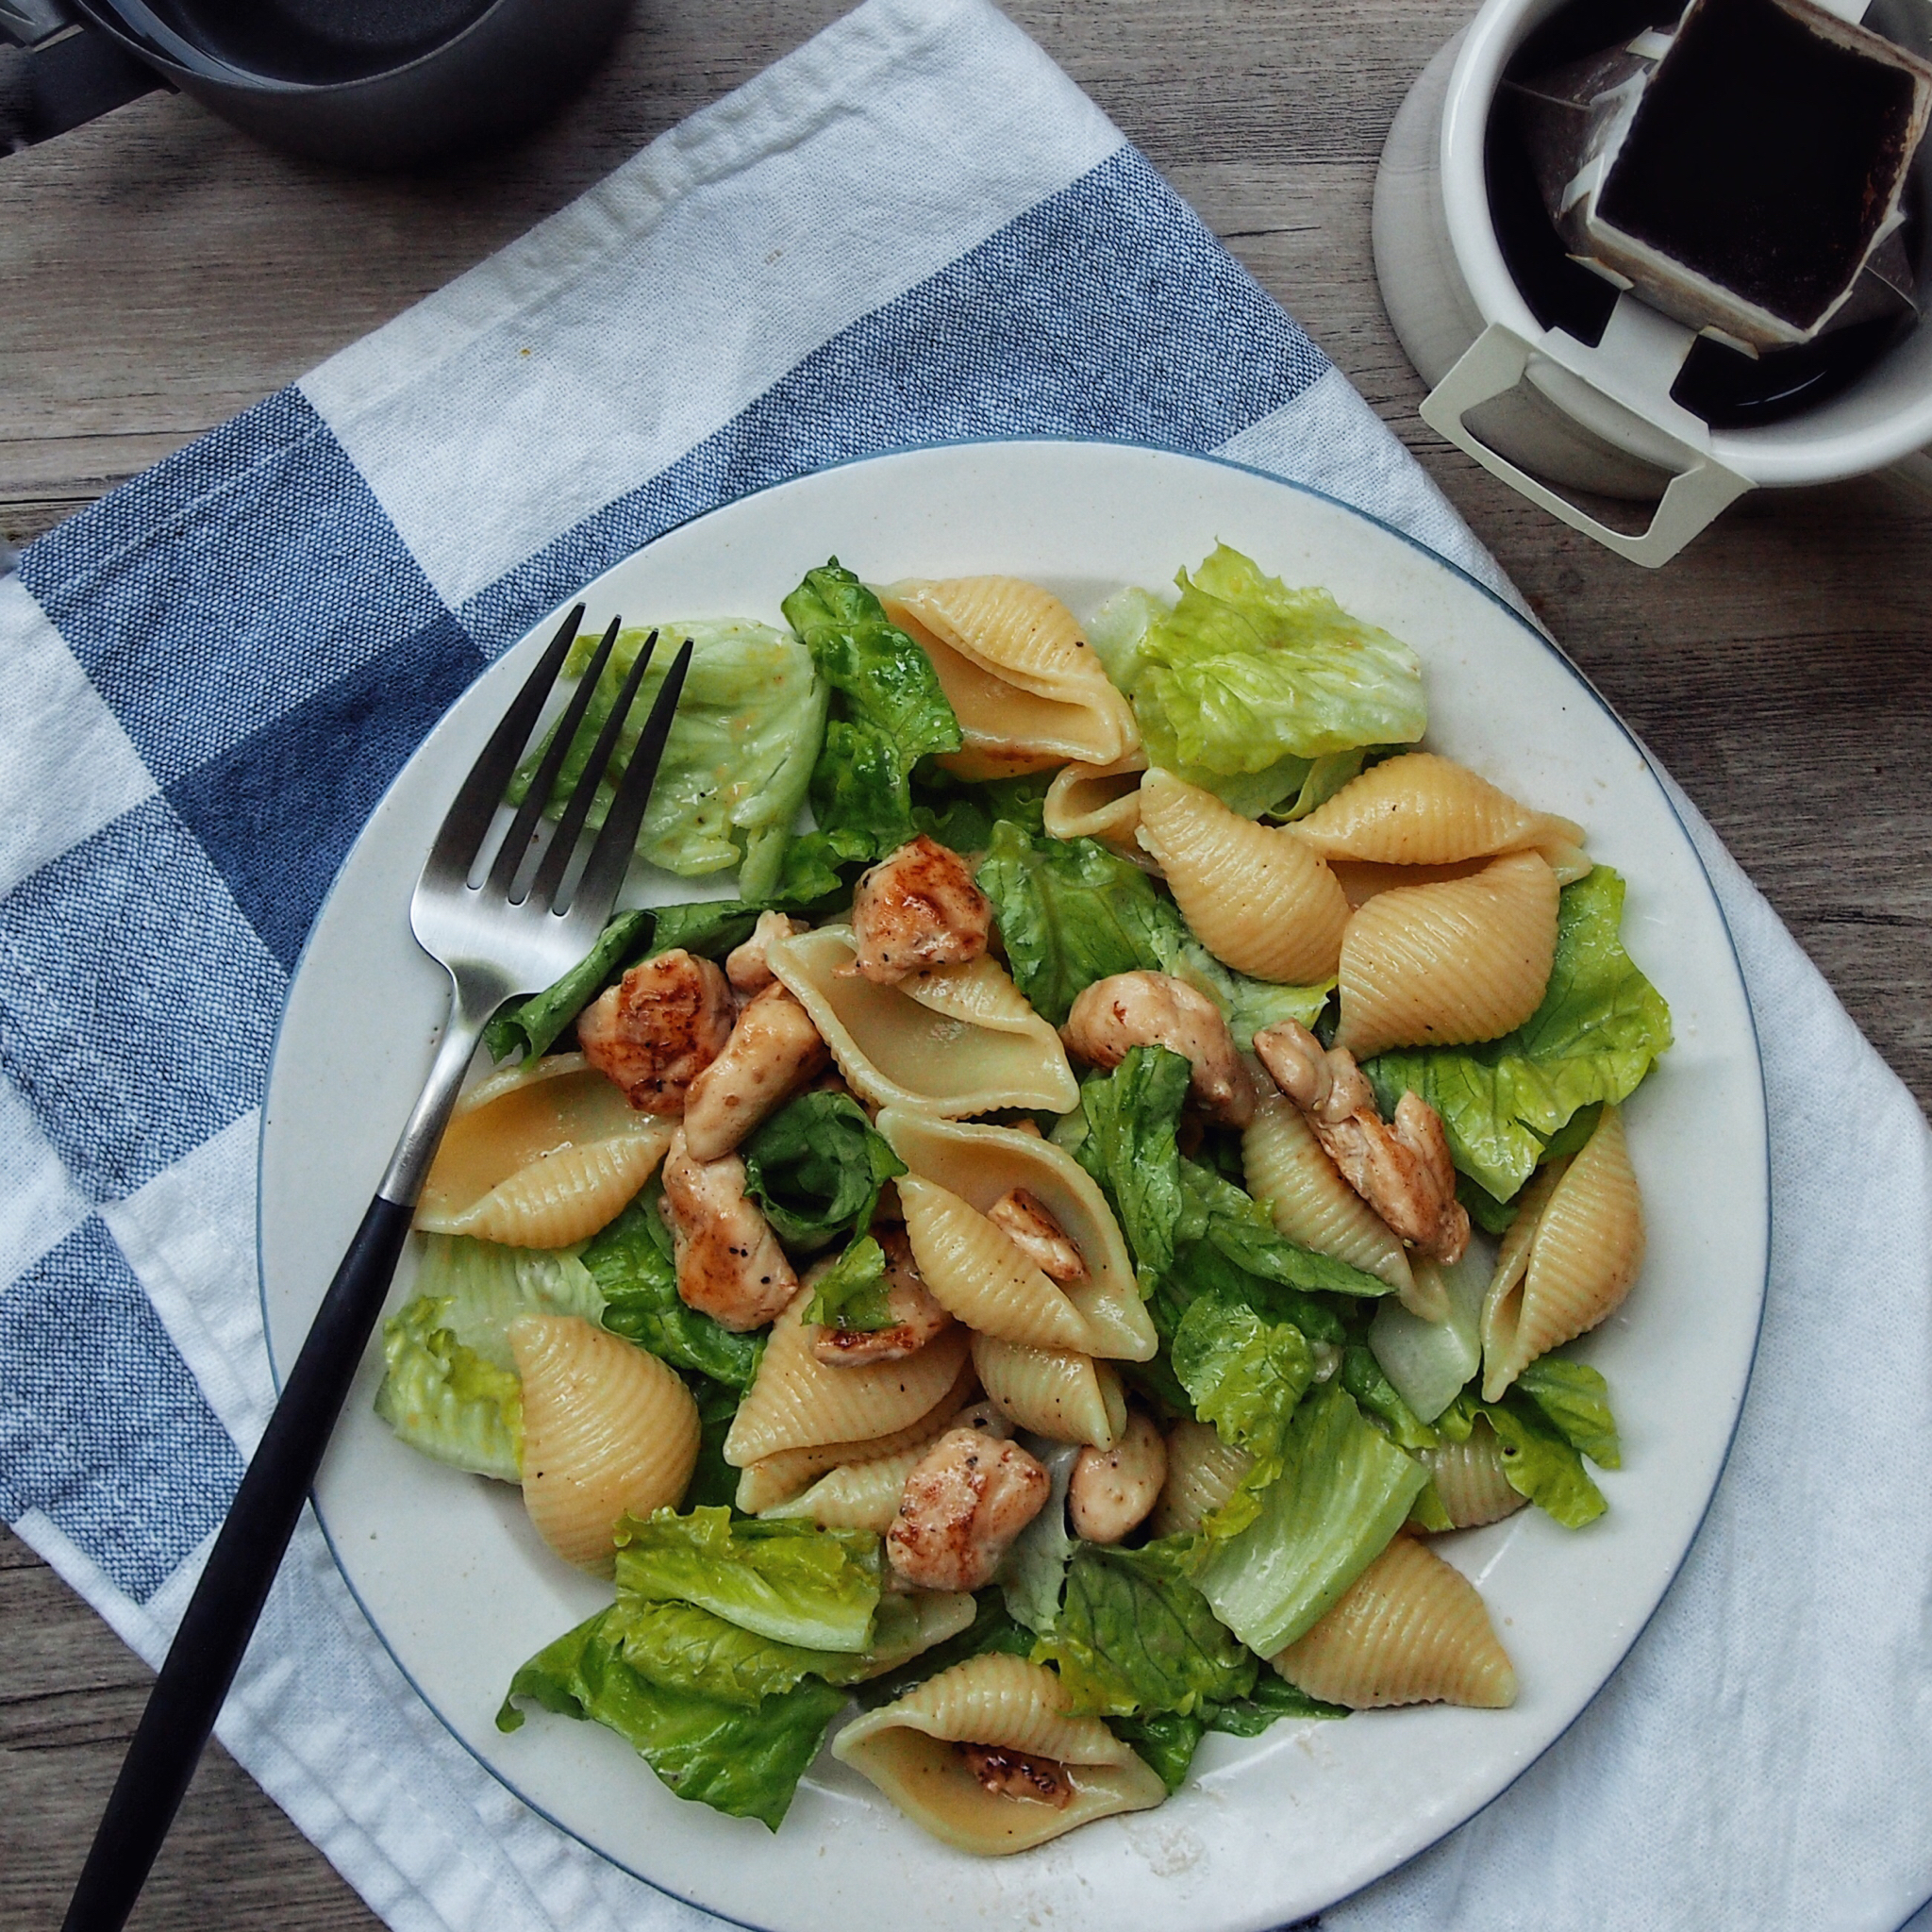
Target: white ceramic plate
[1268,1830]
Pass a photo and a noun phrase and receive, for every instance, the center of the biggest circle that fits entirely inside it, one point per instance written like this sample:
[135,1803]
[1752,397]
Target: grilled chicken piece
[1111,1490]
[1130,1010]
[966,1500]
[918,908]
[1402,1170]
[745,966]
[658,1028]
[730,1263]
[916,1312]
[773,1050]
[1037,1235]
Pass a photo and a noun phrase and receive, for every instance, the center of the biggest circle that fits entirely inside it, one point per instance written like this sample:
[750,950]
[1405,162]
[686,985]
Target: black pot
[374,83]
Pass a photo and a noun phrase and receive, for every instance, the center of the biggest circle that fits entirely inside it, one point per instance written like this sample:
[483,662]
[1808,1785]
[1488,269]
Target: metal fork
[502,937]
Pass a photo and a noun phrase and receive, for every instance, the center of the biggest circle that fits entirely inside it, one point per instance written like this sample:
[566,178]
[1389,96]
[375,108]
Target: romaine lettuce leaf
[1163,1739]
[816,1167]
[1069,912]
[788,1580]
[1128,1146]
[1344,1490]
[1540,1461]
[1600,1026]
[888,711]
[1134,1635]
[1215,1211]
[713,1482]
[1245,673]
[1575,1401]
[743,1761]
[1246,1376]
[449,1386]
[1272,1698]
[1428,1362]
[1034,1570]
[1363,1376]
[1201,1269]
[962,813]
[852,1293]
[631,1262]
[447,1401]
[1168,1741]
[739,755]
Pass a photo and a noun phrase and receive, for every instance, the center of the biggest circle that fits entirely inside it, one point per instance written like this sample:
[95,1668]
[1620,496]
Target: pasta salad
[1026,1282]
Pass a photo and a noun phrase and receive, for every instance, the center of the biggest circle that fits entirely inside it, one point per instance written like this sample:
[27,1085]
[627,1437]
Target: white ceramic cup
[1557,413]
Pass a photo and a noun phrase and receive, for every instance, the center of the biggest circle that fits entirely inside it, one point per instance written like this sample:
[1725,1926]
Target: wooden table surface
[159,272]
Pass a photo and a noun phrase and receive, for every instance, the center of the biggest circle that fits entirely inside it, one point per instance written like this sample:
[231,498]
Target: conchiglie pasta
[1203,1471]
[981,1164]
[1444,965]
[1055,1392]
[1470,1479]
[865,1495]
[977,1275]
[986,1758]
[786,1474]
[1409,1629]
[608,1430]
[1571,1256]
[797,1402]
[540,1157]
[1098,802]
[1310,1203]
[1023,680]
[1424,809]
[955,1040]
[1254,895]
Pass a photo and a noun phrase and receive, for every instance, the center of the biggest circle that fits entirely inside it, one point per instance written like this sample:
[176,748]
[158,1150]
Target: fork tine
[557,859]
[474,805]
[610,856]
[516,843]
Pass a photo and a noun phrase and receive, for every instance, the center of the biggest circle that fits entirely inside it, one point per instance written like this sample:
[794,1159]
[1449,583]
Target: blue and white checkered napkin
[913,229]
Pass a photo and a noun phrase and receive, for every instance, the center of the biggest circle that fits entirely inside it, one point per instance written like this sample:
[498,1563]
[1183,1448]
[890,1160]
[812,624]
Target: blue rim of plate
[1516,616]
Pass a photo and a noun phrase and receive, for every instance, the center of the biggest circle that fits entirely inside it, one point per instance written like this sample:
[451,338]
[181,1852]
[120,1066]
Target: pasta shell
[1203,1471]
[1446,964]
[918,1045]
[1470,1479]
[797,1402]
[1409,1629]
[1098,802]
[981,1164]
[1310,1203]
[1255,896]
[1055,1392]
[540,1157]
[910,1751]
[1020,676]
[865,1495]
[977,1275]
[1573,1263]
[1424,809]
[608,1430]
[787,1473]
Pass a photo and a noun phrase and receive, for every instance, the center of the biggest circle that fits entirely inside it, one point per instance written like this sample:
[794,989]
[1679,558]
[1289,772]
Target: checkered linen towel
[914,229]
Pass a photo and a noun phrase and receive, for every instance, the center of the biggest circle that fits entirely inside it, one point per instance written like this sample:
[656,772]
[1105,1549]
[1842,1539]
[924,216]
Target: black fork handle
[222,1614]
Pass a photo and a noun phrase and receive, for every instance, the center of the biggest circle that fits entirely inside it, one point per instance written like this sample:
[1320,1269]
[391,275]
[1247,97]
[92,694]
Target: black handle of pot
[67,73]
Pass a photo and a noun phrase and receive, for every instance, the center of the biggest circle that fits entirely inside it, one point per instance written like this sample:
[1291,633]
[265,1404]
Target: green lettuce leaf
[713,1483]
[852,1294]
[1128,1146]
[1215,1211]
[1272,1698]
[962,813]
[1244,674]
[1363,1376]
[739,755]
[631,1262]
[1541,1465]
[787,1580]
[1428,1362]
[888,711]
[1134,1635]
[1246,1376]
[1069,912]
[1164,1739]
[1575,1400]
[1600,1026]
[743,1761]
[816,1167]
[1033,1572]
[1200,1269]
[1344,1490]
[449,1386]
